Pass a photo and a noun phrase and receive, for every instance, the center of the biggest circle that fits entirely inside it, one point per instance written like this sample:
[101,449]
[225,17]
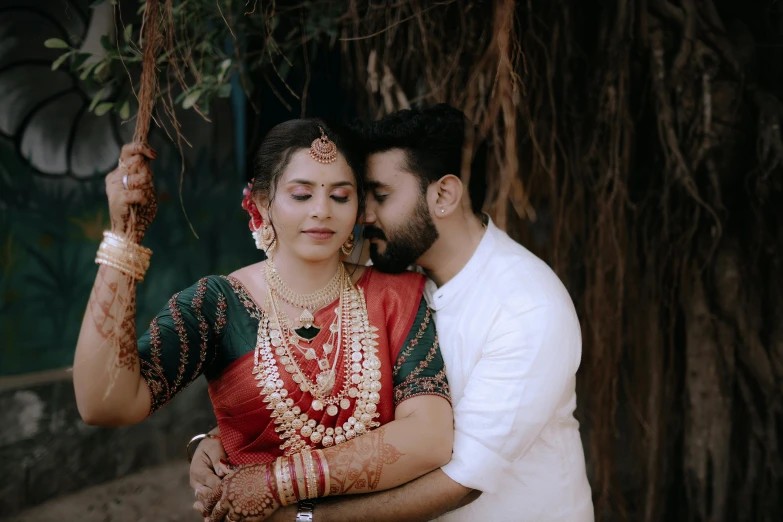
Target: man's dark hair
[432,139]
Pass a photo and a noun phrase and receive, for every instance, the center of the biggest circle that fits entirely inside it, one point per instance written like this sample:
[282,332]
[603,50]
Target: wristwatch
[305,513]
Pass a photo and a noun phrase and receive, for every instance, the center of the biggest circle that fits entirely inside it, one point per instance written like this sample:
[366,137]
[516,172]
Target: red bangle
[294,485]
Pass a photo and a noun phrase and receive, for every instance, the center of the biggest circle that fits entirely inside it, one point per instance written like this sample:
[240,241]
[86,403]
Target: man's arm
[422,499]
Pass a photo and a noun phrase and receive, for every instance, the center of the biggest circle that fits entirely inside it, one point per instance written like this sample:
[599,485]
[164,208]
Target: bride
[325,379]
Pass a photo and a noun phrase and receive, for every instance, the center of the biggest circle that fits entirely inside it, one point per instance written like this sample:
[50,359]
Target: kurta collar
[439,298]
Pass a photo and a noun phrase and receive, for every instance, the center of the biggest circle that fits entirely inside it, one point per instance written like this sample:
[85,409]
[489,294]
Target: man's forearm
[422,499]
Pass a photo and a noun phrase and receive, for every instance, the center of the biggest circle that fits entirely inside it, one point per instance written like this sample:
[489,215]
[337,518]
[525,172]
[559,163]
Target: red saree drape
[246,426]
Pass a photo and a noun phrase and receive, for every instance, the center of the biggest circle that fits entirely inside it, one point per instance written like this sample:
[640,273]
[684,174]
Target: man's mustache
[371,232]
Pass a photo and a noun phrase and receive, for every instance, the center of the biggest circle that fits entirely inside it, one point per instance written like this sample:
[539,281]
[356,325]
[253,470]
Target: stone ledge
[46,451]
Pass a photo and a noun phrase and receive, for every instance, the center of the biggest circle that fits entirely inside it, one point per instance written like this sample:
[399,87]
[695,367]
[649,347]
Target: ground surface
[160,494]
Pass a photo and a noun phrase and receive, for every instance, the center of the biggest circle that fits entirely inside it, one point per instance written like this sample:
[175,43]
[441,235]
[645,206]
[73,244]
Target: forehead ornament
[323,150]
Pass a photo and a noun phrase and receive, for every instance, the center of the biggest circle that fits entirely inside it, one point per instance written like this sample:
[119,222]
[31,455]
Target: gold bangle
[289,482]
[127,248]
[134,273]
[111,236]
[284,485]
[121,268]
[312,480]
[125,256]
[122,257]
[279,481]
[301,476]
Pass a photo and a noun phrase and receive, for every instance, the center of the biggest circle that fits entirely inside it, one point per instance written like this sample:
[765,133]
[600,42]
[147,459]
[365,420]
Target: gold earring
[347,247]
[265,237]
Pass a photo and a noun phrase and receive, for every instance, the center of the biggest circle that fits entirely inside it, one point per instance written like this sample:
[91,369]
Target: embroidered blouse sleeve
[180,342]
[419,368]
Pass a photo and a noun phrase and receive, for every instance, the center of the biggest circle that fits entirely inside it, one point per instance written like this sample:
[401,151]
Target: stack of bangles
[129,258]
[301,476]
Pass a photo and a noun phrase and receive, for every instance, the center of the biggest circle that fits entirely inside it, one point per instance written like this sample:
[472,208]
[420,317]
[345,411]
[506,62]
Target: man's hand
[207,469]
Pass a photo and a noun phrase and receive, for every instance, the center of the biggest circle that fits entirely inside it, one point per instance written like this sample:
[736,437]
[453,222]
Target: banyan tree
[635,145]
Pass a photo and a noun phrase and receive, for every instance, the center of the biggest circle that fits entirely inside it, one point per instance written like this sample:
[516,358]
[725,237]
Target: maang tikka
[323,150]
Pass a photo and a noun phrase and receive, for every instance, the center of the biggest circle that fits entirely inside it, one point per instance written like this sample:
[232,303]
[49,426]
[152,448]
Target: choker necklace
[309,303]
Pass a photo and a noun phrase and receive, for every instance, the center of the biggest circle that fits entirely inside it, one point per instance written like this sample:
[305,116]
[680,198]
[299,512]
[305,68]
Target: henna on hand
[359,465]
[245,494]
[132,209]
[104,308]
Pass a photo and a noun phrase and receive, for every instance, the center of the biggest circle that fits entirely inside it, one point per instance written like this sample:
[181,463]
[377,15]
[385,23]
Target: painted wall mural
[53,156]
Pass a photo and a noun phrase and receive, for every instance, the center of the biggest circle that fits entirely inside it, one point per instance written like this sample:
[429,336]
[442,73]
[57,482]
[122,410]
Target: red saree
[248,430]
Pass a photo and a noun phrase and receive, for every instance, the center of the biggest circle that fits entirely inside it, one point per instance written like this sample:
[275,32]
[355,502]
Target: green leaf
[80,60]
[56,43]
[224,65]
[101,66]
[59,61]
[224,91]
[125,110]
[88,69]
[96,98]
[191,99]
[103,108]
[128,32]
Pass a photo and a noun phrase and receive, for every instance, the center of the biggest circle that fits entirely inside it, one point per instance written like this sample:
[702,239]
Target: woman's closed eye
[340,195]
[335,197]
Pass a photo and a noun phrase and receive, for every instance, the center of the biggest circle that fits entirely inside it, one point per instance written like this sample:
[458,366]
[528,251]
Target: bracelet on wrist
[123,255]
[301,476]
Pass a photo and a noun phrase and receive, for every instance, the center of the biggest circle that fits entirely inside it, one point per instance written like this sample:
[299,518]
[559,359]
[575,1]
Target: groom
[508,333]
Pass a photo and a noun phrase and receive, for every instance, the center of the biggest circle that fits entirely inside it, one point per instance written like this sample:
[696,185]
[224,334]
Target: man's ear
[445,195]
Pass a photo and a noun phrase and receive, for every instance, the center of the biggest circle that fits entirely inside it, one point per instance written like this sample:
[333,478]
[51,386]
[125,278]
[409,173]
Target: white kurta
[512,344]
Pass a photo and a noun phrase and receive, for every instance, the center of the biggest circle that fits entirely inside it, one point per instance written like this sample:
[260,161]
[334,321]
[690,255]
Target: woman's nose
[321,208]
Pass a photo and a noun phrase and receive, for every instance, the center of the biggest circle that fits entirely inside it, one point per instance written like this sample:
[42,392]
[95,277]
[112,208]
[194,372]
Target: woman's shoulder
[221,284]
[406,283]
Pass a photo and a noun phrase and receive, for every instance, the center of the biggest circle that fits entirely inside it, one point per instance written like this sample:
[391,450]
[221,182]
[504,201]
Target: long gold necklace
[309,303]
[361,382]
[324,381]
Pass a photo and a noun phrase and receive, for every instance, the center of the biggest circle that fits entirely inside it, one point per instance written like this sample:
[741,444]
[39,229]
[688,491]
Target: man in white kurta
[508,333]
[511,342]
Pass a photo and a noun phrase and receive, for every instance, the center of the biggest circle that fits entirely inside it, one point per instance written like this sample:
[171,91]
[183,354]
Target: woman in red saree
[326,379]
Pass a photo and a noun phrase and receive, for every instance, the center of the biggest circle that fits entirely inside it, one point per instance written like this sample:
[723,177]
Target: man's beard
[407,244]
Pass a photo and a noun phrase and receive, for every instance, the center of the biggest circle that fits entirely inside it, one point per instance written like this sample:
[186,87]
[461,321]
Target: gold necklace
[361,382]
[326,378]
[310,303]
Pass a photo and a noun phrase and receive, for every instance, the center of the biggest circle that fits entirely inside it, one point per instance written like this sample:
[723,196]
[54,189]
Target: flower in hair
[256,221]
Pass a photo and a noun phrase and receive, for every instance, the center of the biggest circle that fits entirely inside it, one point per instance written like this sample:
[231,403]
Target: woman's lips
[320,234]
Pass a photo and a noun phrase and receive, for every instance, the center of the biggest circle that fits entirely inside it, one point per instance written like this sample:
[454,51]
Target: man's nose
[368,217]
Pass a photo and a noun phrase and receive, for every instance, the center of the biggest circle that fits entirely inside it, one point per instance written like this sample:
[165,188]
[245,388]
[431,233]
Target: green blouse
[207,327]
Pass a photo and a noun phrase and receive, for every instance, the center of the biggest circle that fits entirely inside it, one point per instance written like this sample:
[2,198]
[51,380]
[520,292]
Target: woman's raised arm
[109,388]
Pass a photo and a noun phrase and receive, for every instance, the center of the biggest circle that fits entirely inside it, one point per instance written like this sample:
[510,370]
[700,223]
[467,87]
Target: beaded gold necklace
[310,303]
[356,351]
